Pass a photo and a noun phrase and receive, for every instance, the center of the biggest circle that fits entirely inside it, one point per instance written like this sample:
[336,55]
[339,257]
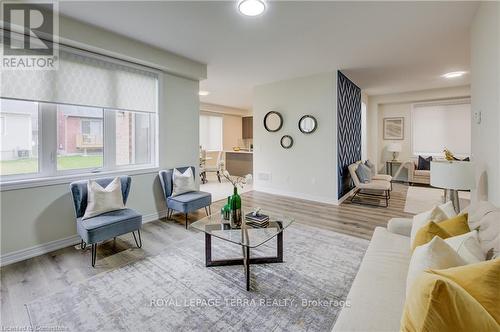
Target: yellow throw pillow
[456,226]
[481,281]
[427,233]
[457,299]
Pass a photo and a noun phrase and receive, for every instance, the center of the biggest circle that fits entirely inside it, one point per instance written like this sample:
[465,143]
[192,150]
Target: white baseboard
[314,198]
[40,249]
[153,216]
[20,255]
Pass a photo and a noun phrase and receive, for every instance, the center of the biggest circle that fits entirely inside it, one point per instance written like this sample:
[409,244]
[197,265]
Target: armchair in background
[203,165]
[218,167]
[375,189]
[415,175]
[187,202]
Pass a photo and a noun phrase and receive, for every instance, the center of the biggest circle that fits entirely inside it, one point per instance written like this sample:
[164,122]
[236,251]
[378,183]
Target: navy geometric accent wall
[348,131]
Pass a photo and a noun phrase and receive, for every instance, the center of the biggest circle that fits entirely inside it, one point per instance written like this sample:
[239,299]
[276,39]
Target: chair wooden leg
[83,245]
[218,176]
[206,211]
[186,221]
[209,210]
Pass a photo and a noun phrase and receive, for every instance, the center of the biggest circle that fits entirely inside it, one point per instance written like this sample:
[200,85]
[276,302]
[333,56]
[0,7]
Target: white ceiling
[384,47]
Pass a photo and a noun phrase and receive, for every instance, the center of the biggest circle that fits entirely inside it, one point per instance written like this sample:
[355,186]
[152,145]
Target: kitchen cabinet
[247,127]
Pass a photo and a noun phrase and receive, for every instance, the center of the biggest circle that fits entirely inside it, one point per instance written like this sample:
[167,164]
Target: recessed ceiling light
[251,7]
[203,93]
[454,74]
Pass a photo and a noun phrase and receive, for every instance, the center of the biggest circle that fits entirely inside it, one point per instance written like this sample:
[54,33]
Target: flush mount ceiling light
[203,93]
[454,74]
[251,7]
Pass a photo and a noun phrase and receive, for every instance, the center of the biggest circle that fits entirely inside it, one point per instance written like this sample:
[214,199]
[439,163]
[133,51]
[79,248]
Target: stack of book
[257,221]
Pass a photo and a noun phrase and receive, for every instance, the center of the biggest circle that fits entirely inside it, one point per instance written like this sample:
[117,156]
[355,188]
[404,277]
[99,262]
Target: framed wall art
[394,128]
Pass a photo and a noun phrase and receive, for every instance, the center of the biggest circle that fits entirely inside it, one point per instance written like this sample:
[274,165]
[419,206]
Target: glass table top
[246,235]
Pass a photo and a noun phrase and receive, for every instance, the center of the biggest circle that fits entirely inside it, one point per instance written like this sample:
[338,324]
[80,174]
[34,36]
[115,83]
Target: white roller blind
[211,132]
[87,80]
[442,125]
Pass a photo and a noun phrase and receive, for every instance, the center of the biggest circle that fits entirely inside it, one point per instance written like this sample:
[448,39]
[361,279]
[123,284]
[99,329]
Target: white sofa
[377,294]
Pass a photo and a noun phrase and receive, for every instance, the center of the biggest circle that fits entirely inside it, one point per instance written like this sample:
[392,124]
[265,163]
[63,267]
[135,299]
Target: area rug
[420,199]
[174,291]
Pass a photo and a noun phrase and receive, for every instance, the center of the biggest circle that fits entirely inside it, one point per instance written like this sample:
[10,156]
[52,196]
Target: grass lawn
[22,166]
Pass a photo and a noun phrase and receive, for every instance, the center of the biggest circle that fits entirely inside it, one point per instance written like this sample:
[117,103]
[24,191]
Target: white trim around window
[47,172]
[68,178]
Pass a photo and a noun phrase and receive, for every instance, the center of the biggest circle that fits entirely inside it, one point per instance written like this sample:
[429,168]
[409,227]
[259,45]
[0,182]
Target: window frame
[48,174]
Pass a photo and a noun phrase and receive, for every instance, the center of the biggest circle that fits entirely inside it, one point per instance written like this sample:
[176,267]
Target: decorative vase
[235,213]
[226,210]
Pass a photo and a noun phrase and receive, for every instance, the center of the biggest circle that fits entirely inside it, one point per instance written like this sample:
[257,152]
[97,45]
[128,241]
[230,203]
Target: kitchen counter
[241,151]
[239,163]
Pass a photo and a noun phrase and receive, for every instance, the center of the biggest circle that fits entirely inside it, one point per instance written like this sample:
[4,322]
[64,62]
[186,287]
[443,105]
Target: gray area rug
[175,291]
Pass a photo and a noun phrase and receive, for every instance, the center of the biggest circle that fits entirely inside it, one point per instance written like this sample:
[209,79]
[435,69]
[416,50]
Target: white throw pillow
[448,209]
[467,246]
[437,214]
[435,254]
[183,182]
[101,200]
[485,217]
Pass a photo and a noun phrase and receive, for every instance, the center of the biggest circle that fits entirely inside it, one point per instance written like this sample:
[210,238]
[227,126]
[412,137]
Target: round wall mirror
[286,142]
[273,121]
[307,124]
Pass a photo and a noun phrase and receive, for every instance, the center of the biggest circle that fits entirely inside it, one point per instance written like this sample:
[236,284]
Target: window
[83,139]
[19,137]
[133,138]
[211,132]
[93,114]
[436,126]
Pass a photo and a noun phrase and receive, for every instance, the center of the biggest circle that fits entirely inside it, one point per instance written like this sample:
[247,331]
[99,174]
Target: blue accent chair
[184,203]
[107,225]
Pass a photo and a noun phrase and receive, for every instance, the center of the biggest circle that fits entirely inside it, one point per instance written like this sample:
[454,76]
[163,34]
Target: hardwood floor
[27,280]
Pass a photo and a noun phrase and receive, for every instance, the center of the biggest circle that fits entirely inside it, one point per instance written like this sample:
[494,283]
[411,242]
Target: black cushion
[424,164]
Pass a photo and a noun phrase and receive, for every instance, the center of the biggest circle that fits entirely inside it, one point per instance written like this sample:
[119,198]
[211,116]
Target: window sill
[67,179]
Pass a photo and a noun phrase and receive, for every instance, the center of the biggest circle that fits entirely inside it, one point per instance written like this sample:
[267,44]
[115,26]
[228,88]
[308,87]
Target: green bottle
[226,210]
[235,204]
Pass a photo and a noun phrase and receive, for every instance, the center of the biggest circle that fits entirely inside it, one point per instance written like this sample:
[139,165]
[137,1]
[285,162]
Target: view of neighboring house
[79,130]
[18,130]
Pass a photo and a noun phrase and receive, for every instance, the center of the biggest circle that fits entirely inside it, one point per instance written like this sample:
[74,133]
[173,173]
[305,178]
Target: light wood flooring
[40,276]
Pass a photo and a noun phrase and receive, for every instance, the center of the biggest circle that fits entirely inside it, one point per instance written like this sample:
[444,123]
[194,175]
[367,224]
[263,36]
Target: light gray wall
[309,169]
[485,88]
[35,216]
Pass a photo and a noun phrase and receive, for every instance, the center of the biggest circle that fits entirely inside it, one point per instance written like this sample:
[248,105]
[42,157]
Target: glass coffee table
[246,236]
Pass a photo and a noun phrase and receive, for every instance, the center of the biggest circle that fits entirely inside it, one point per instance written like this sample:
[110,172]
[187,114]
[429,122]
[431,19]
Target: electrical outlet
[477,117]
[263,176]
